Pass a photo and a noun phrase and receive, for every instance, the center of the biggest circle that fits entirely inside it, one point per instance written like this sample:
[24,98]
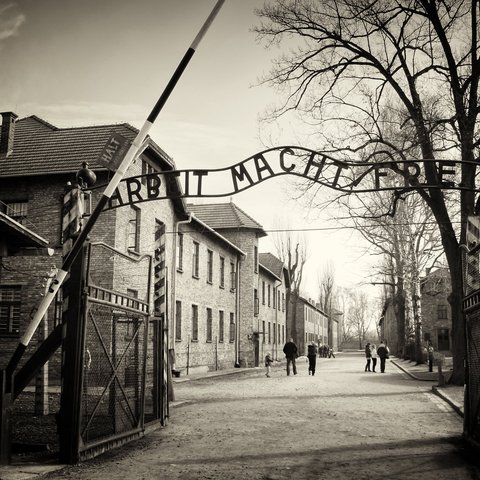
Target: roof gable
[225,216]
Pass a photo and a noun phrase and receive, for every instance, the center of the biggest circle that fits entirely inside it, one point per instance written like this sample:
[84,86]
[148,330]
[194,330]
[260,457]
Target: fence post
[72,364]
[6,390]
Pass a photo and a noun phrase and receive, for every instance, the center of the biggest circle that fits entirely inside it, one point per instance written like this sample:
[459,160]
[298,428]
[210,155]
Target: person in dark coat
[291,353]
[368,355]
[382,352]
[312,358]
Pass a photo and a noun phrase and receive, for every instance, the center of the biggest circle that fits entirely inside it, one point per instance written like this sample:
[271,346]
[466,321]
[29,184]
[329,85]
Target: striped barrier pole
[109,190]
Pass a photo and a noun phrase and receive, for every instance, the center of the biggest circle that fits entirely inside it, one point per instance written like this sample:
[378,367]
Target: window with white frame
[178,320]
[209,324]
[232,327]
[194,323]
[133,233]
[196,260]
[221,326]
[180,252]
[222,272]
[209,266]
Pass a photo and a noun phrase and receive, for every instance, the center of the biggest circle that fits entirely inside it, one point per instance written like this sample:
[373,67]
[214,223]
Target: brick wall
[197,290]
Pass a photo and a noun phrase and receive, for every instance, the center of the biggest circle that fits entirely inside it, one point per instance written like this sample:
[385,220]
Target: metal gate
[117,353]
[472,398]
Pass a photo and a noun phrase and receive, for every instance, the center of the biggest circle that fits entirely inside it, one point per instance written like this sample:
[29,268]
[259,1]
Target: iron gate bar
[114,376]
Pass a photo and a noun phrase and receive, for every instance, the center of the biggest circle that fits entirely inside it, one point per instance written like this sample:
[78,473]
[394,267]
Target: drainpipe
[173,288]
[276,336]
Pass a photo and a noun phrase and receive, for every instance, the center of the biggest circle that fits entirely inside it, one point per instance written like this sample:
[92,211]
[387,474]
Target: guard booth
[471,308]
[113,375]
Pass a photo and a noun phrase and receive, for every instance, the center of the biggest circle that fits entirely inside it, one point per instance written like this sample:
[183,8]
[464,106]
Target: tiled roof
[225,216]
[40,148]
[272,263]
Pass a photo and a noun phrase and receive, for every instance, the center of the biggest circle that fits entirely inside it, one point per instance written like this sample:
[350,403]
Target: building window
[222,272]
[17,210]
[268,294]
[255,259]
[443,336]
[278,337]
[147,169]
[195,323]
[209,266]
[442,312]
[180,252]
[263,331]
[274,298]
[255,302]
[232,327]
[209,324]
[263,292]
[195,259]
[269,333]
[133,235]
[10,297]
[283,302]
[232,276]
[178,320]
[221,326]
[278,301]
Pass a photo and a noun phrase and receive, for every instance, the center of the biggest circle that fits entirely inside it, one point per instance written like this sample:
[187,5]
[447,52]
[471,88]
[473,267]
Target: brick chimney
[7,132]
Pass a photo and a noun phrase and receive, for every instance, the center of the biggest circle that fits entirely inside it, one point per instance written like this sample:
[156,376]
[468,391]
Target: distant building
[435,313]
[311,324]
[436,310]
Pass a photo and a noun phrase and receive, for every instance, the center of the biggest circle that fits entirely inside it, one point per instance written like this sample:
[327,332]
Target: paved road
[343,423]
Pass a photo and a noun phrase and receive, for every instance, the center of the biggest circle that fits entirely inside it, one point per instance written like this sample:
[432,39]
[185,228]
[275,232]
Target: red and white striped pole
[107,194]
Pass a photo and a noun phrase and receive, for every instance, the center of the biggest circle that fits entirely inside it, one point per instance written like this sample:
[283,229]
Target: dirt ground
[343,423]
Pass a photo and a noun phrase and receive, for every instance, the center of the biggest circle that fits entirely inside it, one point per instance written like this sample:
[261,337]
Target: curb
[411,374]
[447,399]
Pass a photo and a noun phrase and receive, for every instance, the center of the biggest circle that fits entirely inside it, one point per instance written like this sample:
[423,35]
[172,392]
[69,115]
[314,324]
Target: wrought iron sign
[343,176]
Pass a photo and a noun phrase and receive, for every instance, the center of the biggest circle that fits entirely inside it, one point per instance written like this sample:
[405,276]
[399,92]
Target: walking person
[368,355]
[291,353]
[268,364]
[312,358]
[382,352]
[373,353]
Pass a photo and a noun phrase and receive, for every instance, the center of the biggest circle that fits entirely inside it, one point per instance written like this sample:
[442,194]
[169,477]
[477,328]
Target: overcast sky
[93,62]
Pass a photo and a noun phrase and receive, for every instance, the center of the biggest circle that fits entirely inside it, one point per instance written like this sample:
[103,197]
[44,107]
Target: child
[268,363]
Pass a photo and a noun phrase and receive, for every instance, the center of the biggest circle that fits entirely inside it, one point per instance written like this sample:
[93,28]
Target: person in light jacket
[373,353]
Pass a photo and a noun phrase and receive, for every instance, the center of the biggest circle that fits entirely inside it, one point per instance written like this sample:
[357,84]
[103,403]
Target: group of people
[291,354]
[326,351]
[372,353]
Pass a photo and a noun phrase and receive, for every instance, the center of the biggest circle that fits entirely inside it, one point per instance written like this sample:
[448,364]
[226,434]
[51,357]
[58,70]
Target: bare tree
[326,297]
[359,316]
[352,57]
[293,253]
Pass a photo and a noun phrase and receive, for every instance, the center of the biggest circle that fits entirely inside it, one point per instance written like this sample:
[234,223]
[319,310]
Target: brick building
[41,160]
[271,313]
[436,311]
[436,314]
[311,324]
[207,268]
[253,277]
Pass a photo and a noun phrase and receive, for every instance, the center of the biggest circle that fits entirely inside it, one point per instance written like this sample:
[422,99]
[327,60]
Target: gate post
[6,392]
[72,362]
